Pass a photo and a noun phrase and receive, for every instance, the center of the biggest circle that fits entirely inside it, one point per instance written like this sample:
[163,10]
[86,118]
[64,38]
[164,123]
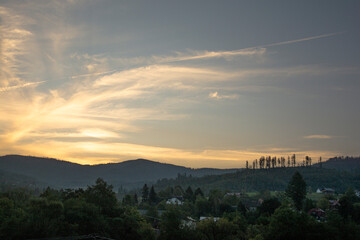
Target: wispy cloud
[318,137]
[200,55]
[203,55]
[104,104]
[103,107]
[12,42]
[216,95]
[99,108]
[94,74]
[155,74]
[184,56]
[5,89]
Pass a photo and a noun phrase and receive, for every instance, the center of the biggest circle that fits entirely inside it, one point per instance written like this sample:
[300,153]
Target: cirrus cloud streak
[319,137]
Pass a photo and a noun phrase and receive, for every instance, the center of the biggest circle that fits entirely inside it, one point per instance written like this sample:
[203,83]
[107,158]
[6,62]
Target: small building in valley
[328,191]
[174,201]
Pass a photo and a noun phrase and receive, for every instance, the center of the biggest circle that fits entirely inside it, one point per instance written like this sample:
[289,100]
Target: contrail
[301,39]
[244,51]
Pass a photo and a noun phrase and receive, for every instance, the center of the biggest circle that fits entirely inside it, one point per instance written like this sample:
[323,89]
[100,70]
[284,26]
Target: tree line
[151,197]
[273,162]
[274,179]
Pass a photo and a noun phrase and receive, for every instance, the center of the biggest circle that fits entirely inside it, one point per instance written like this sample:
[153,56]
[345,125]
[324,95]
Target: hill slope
[12,180]
[275,179]
[342,163]
[65,174]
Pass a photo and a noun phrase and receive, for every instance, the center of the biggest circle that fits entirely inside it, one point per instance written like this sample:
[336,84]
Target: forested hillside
[13,180]
[342,163]
[274,179]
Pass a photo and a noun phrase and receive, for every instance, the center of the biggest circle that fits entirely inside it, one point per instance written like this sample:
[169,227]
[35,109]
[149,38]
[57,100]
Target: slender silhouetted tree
[152,196]
[145,193]
[293,160]
[296,190]
[189,194]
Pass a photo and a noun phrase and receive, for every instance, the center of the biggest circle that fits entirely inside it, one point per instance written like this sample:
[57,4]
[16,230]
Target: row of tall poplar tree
[273,162]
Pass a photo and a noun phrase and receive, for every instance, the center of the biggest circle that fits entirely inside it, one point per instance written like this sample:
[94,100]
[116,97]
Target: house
[318,213]
[334,204]
[357,193]
[252,204]
[236,194]
[215,219]
[174,201]
[188,223]
[252,209]
[328,191]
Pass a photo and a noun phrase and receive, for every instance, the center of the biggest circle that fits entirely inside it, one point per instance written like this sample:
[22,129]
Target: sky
[191,83]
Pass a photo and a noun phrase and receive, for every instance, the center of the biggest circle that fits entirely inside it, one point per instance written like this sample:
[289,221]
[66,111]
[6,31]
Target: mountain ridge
[128,174]
[65,174]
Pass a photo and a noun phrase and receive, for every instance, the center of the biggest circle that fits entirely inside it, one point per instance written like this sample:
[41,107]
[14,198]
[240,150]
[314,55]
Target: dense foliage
[217,215]
[69,213]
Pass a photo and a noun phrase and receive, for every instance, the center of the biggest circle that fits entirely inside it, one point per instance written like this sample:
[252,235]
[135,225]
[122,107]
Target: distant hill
[12,180]
[63,174]
[338,173]
[342,163]
[275,179]
[17,170]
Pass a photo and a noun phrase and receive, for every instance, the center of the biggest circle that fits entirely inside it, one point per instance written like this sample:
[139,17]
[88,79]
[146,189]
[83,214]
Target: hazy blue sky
[195,83]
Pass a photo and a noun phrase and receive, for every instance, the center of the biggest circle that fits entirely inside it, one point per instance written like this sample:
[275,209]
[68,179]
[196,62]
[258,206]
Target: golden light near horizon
[122,87]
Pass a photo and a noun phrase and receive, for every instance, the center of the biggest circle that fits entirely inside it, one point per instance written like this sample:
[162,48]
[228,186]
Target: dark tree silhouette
[145,193]
[268,162]
[293,160]
[289,163]
[101,194]
[128,200]
[273,162]
[262,162]
[296,190]
[152,196]
[198,192]
[189,194]
[269,206]
[136,199]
